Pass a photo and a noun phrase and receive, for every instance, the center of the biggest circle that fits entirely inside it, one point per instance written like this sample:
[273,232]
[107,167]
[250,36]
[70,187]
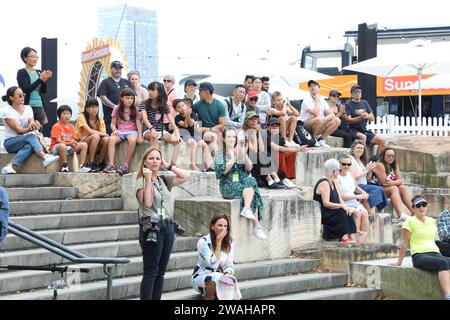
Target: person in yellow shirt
[420,232]
[91,129]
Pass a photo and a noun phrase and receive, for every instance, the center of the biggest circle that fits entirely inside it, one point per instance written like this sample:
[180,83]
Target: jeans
[156,257]
[4,213]
[24,146]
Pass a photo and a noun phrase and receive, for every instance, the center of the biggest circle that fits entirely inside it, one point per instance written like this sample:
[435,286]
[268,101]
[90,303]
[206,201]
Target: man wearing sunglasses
[358,113]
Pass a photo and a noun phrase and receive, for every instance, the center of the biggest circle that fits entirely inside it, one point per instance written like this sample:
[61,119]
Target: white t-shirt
[21,119]
[308,103]
[263,105]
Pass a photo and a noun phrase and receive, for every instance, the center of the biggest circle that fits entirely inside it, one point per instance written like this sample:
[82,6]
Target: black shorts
[369,134]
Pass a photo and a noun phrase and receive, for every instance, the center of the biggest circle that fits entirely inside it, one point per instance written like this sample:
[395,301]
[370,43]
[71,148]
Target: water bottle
[75,165]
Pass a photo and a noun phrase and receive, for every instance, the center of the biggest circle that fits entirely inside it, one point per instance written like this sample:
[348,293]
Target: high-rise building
[137,30]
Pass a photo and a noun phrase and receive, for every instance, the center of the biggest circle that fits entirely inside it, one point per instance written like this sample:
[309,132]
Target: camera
[153,226]
[178,229]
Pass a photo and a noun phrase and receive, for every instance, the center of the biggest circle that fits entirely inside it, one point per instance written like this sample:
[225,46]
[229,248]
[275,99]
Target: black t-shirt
[112,89]
[352,110]
[277,139]
[153,115]
[191,129]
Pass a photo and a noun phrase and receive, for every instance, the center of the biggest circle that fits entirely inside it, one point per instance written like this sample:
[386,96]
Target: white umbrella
[415,58]
[292,93]
[439,81]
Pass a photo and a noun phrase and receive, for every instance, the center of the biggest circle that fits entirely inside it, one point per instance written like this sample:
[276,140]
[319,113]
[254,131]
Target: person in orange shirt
[65,140]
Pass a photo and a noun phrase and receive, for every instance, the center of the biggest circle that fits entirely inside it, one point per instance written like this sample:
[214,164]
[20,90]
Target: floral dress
[230,189]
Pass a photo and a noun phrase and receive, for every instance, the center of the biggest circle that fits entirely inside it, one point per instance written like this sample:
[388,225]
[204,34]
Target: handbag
[227,288]
[304,136]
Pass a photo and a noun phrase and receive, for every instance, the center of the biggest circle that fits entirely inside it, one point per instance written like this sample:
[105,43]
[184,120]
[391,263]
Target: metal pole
[420,94]
[109,271]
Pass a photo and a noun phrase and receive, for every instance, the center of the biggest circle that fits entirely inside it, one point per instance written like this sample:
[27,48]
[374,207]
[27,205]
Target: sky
[190,31]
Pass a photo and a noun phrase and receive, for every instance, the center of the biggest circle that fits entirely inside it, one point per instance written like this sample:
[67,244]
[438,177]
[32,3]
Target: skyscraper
[137,30]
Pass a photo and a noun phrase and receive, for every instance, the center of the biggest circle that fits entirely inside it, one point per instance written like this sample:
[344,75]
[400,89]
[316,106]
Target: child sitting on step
[91,129]
[126,125]
[65,141]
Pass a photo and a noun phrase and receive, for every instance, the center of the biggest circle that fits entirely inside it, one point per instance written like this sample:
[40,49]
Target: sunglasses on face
[390,156]
[345,164]
[357,91]
[335,95]
[253,99]
[422,204]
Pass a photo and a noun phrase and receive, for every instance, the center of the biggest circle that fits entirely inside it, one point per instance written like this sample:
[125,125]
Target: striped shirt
[443,224]
[153,115]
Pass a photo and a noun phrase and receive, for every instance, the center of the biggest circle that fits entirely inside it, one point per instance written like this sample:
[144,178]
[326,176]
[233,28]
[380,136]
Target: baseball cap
[206,86]
[116,64]
[418,200]
[250,114]
[355,87]
[190,82]
[310,82]
[335,92]
[273,121]
[251,94]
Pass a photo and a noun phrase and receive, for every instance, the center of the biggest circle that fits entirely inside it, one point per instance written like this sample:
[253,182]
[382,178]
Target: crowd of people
[250,140]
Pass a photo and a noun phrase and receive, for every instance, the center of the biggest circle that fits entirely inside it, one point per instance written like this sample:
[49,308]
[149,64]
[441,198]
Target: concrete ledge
[91,185]
[26,180]
[288,219]
[402,283]
[41,193]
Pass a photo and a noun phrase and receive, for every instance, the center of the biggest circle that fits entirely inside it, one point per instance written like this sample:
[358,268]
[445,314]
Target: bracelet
[170,167]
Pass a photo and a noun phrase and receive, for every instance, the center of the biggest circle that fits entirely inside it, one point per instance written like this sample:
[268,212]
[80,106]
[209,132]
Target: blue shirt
[443,223]
[4,213]
[209,114]
[354,109]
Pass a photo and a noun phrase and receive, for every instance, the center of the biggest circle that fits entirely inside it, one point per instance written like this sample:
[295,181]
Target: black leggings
[431,261]
[343,134]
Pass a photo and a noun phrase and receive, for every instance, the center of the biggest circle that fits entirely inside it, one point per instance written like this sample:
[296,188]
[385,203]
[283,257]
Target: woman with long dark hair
[215,262]
[156,224]
[154,110]
[33,83]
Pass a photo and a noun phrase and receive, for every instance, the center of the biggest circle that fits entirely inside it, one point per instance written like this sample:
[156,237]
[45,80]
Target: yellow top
[81,124]
[423,235]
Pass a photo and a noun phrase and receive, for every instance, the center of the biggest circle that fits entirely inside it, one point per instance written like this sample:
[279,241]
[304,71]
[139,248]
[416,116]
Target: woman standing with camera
[156,224]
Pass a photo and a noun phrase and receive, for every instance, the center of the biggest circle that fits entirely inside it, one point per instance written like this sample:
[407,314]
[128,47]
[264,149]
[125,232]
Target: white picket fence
[394,125]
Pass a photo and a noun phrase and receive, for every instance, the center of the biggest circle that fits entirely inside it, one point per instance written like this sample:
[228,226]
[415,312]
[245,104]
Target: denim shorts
[68,148]
[124,134]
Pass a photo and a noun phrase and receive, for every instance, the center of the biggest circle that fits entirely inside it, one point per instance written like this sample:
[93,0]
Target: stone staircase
[99,227]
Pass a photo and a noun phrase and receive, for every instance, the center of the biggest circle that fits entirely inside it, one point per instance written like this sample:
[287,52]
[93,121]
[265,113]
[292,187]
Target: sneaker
[288,183]
[85,168]
[403,217]
[259,233]
[276,185]
[8,169]
[317,144]
[123,169]
[291,144]
[94,167]
[323,143]
[101,166]
[65,169]
[248,213]
[49,159]
[110,169]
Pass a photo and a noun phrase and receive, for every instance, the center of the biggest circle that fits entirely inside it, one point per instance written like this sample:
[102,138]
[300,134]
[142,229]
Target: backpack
[229,103]
[304,137]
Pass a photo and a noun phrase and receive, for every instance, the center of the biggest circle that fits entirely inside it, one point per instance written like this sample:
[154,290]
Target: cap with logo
[116,64]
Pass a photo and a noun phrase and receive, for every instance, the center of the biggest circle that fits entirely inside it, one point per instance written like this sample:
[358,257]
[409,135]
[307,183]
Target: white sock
[277,180]
[270,182]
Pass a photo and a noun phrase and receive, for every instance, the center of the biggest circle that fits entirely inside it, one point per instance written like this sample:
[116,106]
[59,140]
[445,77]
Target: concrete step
[76,220]
[41,193]
[64,206]
[25,180]
[333,294]
[174,280]
[128,248]
[75,236]
[262,288]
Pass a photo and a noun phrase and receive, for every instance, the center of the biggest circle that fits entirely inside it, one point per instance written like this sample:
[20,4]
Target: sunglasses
[357,91]
[253,99]
[345,164]
[390,156]
[334,95]
[422,204]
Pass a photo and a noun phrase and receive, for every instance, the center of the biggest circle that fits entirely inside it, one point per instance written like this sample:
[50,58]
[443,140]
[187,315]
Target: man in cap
[316,116]
[211,112]
[251,99]
[190,88]
[109,92]
[236,108]
[358,113]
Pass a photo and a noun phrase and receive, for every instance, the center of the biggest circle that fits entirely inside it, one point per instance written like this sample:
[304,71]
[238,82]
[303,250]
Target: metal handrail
[67,253]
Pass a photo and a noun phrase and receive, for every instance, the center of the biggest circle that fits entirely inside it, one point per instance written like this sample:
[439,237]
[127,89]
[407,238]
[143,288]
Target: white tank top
[347,184]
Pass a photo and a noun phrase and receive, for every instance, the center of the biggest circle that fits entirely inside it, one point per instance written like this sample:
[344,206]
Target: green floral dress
[233,190]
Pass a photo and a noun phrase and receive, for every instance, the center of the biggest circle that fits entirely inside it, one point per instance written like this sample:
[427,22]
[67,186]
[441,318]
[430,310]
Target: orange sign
[339,83]
[395,86]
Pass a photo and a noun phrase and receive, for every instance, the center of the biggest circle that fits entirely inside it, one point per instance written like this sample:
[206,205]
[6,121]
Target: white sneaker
[248,213]
[48,159]
[64,169]
[8,169]
[288,183]
[317,144]
[259,233]
[84,169]
[323,143]
[403,217]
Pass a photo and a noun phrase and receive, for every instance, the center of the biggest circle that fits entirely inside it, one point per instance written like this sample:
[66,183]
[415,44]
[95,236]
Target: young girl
[125,125]
[185,120]
[154,110]
[91,129]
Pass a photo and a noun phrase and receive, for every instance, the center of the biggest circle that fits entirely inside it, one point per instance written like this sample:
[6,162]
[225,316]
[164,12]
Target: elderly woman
[232,166]
[20,127]
[361,168]
[215,262]
[337,219]
[419,232]
[388,176]
[169,84]
[141,93]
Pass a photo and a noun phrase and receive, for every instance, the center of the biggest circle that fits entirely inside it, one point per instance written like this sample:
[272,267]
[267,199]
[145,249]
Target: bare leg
[282,127]
[61,149]
[131,148]
[82,148]
[406,198]
[444,281]
[192,151]
[103,149]
[113,140]
[291,125]
[92,141]
[381,142]
[331,127]
[394,194]
[206,154]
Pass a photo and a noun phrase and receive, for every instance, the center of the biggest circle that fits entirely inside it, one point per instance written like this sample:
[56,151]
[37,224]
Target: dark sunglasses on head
[421,204]
[345,164]
[253,99]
